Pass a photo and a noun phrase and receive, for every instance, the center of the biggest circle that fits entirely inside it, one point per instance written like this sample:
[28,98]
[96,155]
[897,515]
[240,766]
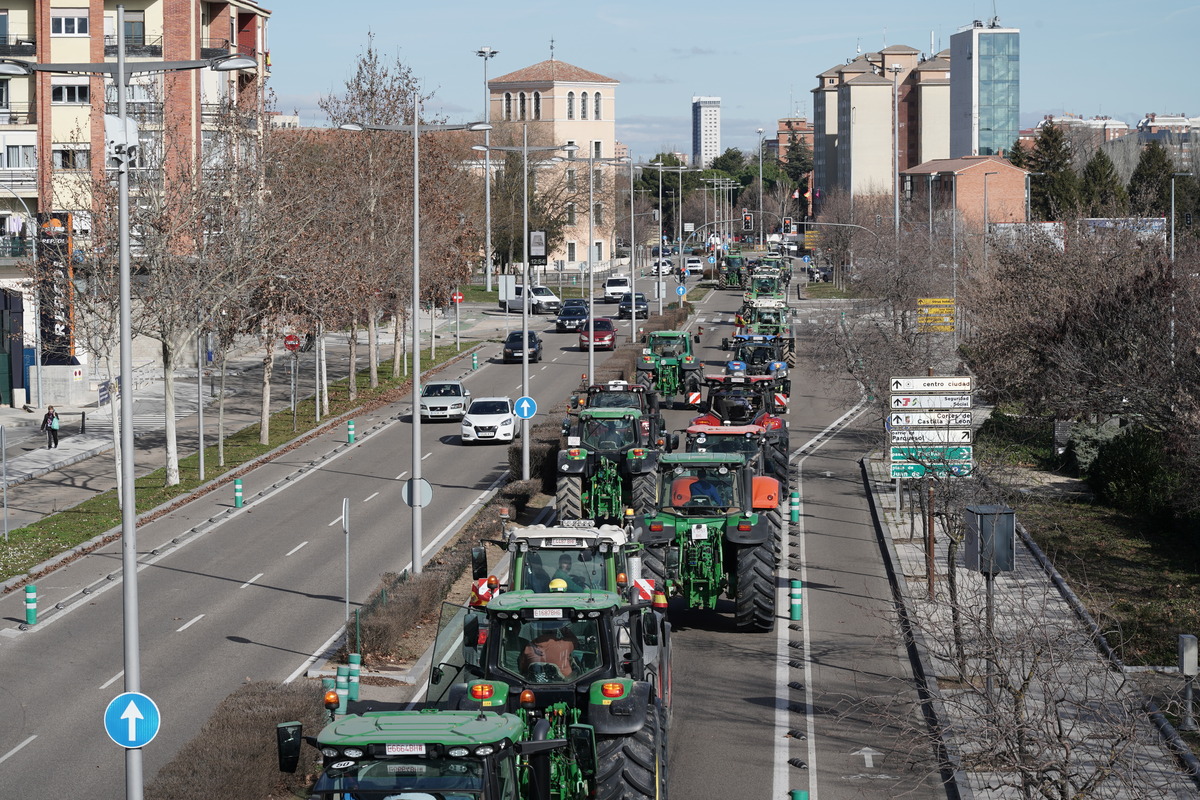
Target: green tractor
[765,284]
[670,366]
[568,659]
[445,754]
[608,464]
[731,271]
[715,532]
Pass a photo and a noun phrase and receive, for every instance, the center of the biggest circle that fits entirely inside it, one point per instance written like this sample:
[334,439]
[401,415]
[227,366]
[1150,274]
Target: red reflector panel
[656,526]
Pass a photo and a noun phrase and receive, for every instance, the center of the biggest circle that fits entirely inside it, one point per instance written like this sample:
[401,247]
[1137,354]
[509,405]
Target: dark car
[625,308]
[575,301]
[571,318]
[513,347]
[605,334]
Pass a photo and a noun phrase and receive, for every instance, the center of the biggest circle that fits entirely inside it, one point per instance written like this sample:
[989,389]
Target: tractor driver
[547,657]
[710,488]
[573,583]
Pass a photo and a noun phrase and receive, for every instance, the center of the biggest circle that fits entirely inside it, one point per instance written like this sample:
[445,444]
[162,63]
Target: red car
[605,333]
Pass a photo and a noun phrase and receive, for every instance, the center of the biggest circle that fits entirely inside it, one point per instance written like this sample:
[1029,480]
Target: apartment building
[566,104]
[706,130]
[985,89]
[53,131]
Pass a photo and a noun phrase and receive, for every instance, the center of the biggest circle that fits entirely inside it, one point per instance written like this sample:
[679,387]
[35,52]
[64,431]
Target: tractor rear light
[331,699]
[744,525]
[638,452]
[482,638]
[688,359]
[482,691]
[646,359]
[575,452]
[527,699]
[612,690]
[656,526]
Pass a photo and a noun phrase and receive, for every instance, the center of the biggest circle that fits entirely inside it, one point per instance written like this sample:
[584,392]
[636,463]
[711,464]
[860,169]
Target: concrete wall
[65,386]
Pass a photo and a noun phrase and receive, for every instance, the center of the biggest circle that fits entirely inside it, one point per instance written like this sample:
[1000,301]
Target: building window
[70,91]
[521,105]
[68,22]
[537,105]
[70,156]
[570,251]
[583,105]
[20,156]
[600,251]
[571,179]
[597,180]
[571,216]
[508,105]
[596,153]
[598,214]
[596,110]
[570,105]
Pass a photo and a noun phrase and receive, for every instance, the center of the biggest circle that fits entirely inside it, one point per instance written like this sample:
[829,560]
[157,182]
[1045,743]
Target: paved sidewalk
[1076,710]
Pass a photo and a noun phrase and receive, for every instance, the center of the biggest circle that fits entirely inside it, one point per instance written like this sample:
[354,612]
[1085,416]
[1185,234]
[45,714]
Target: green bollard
[328,684]
[474,360]
[798,794]
[343,688]
[355,671]
[31,605]
[797,599]
[795,507]
[237,492]
[350,431]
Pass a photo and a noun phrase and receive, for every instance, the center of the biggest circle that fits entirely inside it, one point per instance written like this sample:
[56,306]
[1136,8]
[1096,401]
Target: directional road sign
[931,435]
[903,402]
[934,383]
[928,419]
[933,454]
[132,720]
[935,301]
[526,407]
[681,290]
[924,470]
[712,259]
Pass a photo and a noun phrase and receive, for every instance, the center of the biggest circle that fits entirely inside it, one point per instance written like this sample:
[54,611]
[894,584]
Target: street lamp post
[896,69]
[762,239]
[592,162]
[416,483]
[985,218]
[120,73]
[525,150]
[487,53]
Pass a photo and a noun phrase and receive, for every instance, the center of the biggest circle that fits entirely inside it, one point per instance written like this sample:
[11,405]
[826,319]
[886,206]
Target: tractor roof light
[353,752]
[485,749]
[503,512]
[483,691]
[329,752]
[458,752]
[527,699]
[332,700]
[493,582]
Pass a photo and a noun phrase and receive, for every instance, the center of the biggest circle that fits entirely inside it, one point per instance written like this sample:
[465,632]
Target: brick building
[978,187]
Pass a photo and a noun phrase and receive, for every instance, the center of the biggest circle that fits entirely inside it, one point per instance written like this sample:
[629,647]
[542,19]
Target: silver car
[444,400]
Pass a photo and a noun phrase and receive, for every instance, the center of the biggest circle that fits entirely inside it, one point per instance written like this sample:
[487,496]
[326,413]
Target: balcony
[136,46]
[15,247]
[17,46]
[144,112]
[18,178]
[18,114]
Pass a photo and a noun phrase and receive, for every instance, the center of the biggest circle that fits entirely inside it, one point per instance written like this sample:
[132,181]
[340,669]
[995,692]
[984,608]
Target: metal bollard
[350,431]
[30,605]
[474,360]
[795,507]
[797,599]
[343,688]
[355,671]
[237,492]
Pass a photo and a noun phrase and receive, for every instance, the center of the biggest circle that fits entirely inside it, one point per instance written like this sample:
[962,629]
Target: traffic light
[747,221]
[1187,219]
[787,224]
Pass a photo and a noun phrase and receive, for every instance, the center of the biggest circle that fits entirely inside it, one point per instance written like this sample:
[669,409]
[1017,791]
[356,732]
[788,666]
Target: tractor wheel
[633,767]
[777,466]
[754,606]
[645,493]
[789,352]
[646,378]
[654,564]
[775,520]
[568,497]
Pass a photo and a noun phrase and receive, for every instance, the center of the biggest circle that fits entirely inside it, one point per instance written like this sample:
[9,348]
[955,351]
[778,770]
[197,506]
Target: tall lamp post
[658,165]
[1029,196]
[762,239]
[591,248]
[121,72]
[896,69]
[487,53]
[525,150]
[416,484]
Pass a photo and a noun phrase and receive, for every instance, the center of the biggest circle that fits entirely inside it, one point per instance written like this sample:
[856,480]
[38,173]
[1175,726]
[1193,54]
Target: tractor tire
[633,767]
[789,352]
[654,565]
[775,520]
[645,493]
[568,497]
[754,606]
[777,466]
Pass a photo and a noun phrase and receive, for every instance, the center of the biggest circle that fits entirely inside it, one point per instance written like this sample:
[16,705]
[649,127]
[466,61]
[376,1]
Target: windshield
[615,400]
[700,486]
[768,317]
[609,434]
[747,445]
[489,407]
[602,325]
[738,405]
[542,291]
[551,650]
[583,570]
[444,778]
[441,390]
[666,346]
[764,284]
[754,354]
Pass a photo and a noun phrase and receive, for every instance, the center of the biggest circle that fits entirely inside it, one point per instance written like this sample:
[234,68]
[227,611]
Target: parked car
[662,266]
[571,318]
[444,400]
[614,287]
[541,300]
[489,419]
[514,348]
[603,333]
[628,302]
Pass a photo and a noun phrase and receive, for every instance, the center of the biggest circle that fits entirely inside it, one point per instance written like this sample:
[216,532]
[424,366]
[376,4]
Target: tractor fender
[619,716]
[571,466]
[647,463]
[692,367]
[759,532]
[639,531]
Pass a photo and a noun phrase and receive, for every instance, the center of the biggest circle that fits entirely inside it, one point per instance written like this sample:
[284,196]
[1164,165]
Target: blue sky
[761,58]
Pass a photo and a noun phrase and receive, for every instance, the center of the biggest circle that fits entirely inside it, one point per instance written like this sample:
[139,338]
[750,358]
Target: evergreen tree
[797,164]
[1055,193]
[732,161]
[1018,156]
[1101,193]
[1150,184]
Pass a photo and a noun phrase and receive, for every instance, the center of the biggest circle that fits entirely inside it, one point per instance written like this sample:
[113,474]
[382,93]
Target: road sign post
[132,720]
[929,417]
[457,298]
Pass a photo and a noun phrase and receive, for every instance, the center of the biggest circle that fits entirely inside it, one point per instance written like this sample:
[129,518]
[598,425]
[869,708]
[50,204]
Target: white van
[541,301]
[614,287]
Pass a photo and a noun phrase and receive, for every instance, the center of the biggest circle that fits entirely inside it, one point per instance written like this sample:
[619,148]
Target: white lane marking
[252,580]
[330,525]
[297,547]
[372,497]
[554,359]
[783,600]
[545,365]
[401,475]
[189,623]
[427,455]
[13,752]
[112,680]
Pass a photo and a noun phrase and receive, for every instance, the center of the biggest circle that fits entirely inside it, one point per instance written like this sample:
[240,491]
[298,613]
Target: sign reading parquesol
[933,383]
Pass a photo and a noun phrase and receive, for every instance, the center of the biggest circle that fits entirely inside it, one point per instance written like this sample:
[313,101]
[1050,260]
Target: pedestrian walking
[50,426]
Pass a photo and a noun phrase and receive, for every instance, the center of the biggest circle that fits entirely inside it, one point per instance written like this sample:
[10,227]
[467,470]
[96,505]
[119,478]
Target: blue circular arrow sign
[132,720]
[525,407]
[681,290]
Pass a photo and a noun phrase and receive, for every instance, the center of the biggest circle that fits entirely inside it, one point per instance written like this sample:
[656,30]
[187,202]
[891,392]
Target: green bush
[1085,443]
[1132,472]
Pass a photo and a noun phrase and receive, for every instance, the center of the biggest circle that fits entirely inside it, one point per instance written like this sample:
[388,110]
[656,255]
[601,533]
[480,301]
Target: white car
[444,400]
[489,419]
[694,265]
[662,266]
[614,287]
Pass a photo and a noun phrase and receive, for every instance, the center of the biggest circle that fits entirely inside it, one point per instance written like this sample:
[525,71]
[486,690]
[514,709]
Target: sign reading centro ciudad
[928,417]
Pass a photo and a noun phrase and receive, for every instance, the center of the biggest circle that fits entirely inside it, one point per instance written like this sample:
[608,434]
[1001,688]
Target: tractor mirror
[479,564]
[674,441]
[583,744]
[288,738]
[696,338]
[436,674]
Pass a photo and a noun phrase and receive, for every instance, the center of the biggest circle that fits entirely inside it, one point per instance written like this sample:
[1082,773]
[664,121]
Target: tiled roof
[869,79]
[899,48]
[961,164]
[934,63]
[552,71]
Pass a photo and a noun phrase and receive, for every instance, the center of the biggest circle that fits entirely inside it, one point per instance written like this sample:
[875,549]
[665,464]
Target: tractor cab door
[459,652]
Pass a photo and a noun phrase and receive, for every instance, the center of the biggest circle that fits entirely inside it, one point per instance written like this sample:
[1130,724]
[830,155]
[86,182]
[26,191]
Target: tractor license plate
[699,532]
[547,613]
[405,749]
[407,769]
